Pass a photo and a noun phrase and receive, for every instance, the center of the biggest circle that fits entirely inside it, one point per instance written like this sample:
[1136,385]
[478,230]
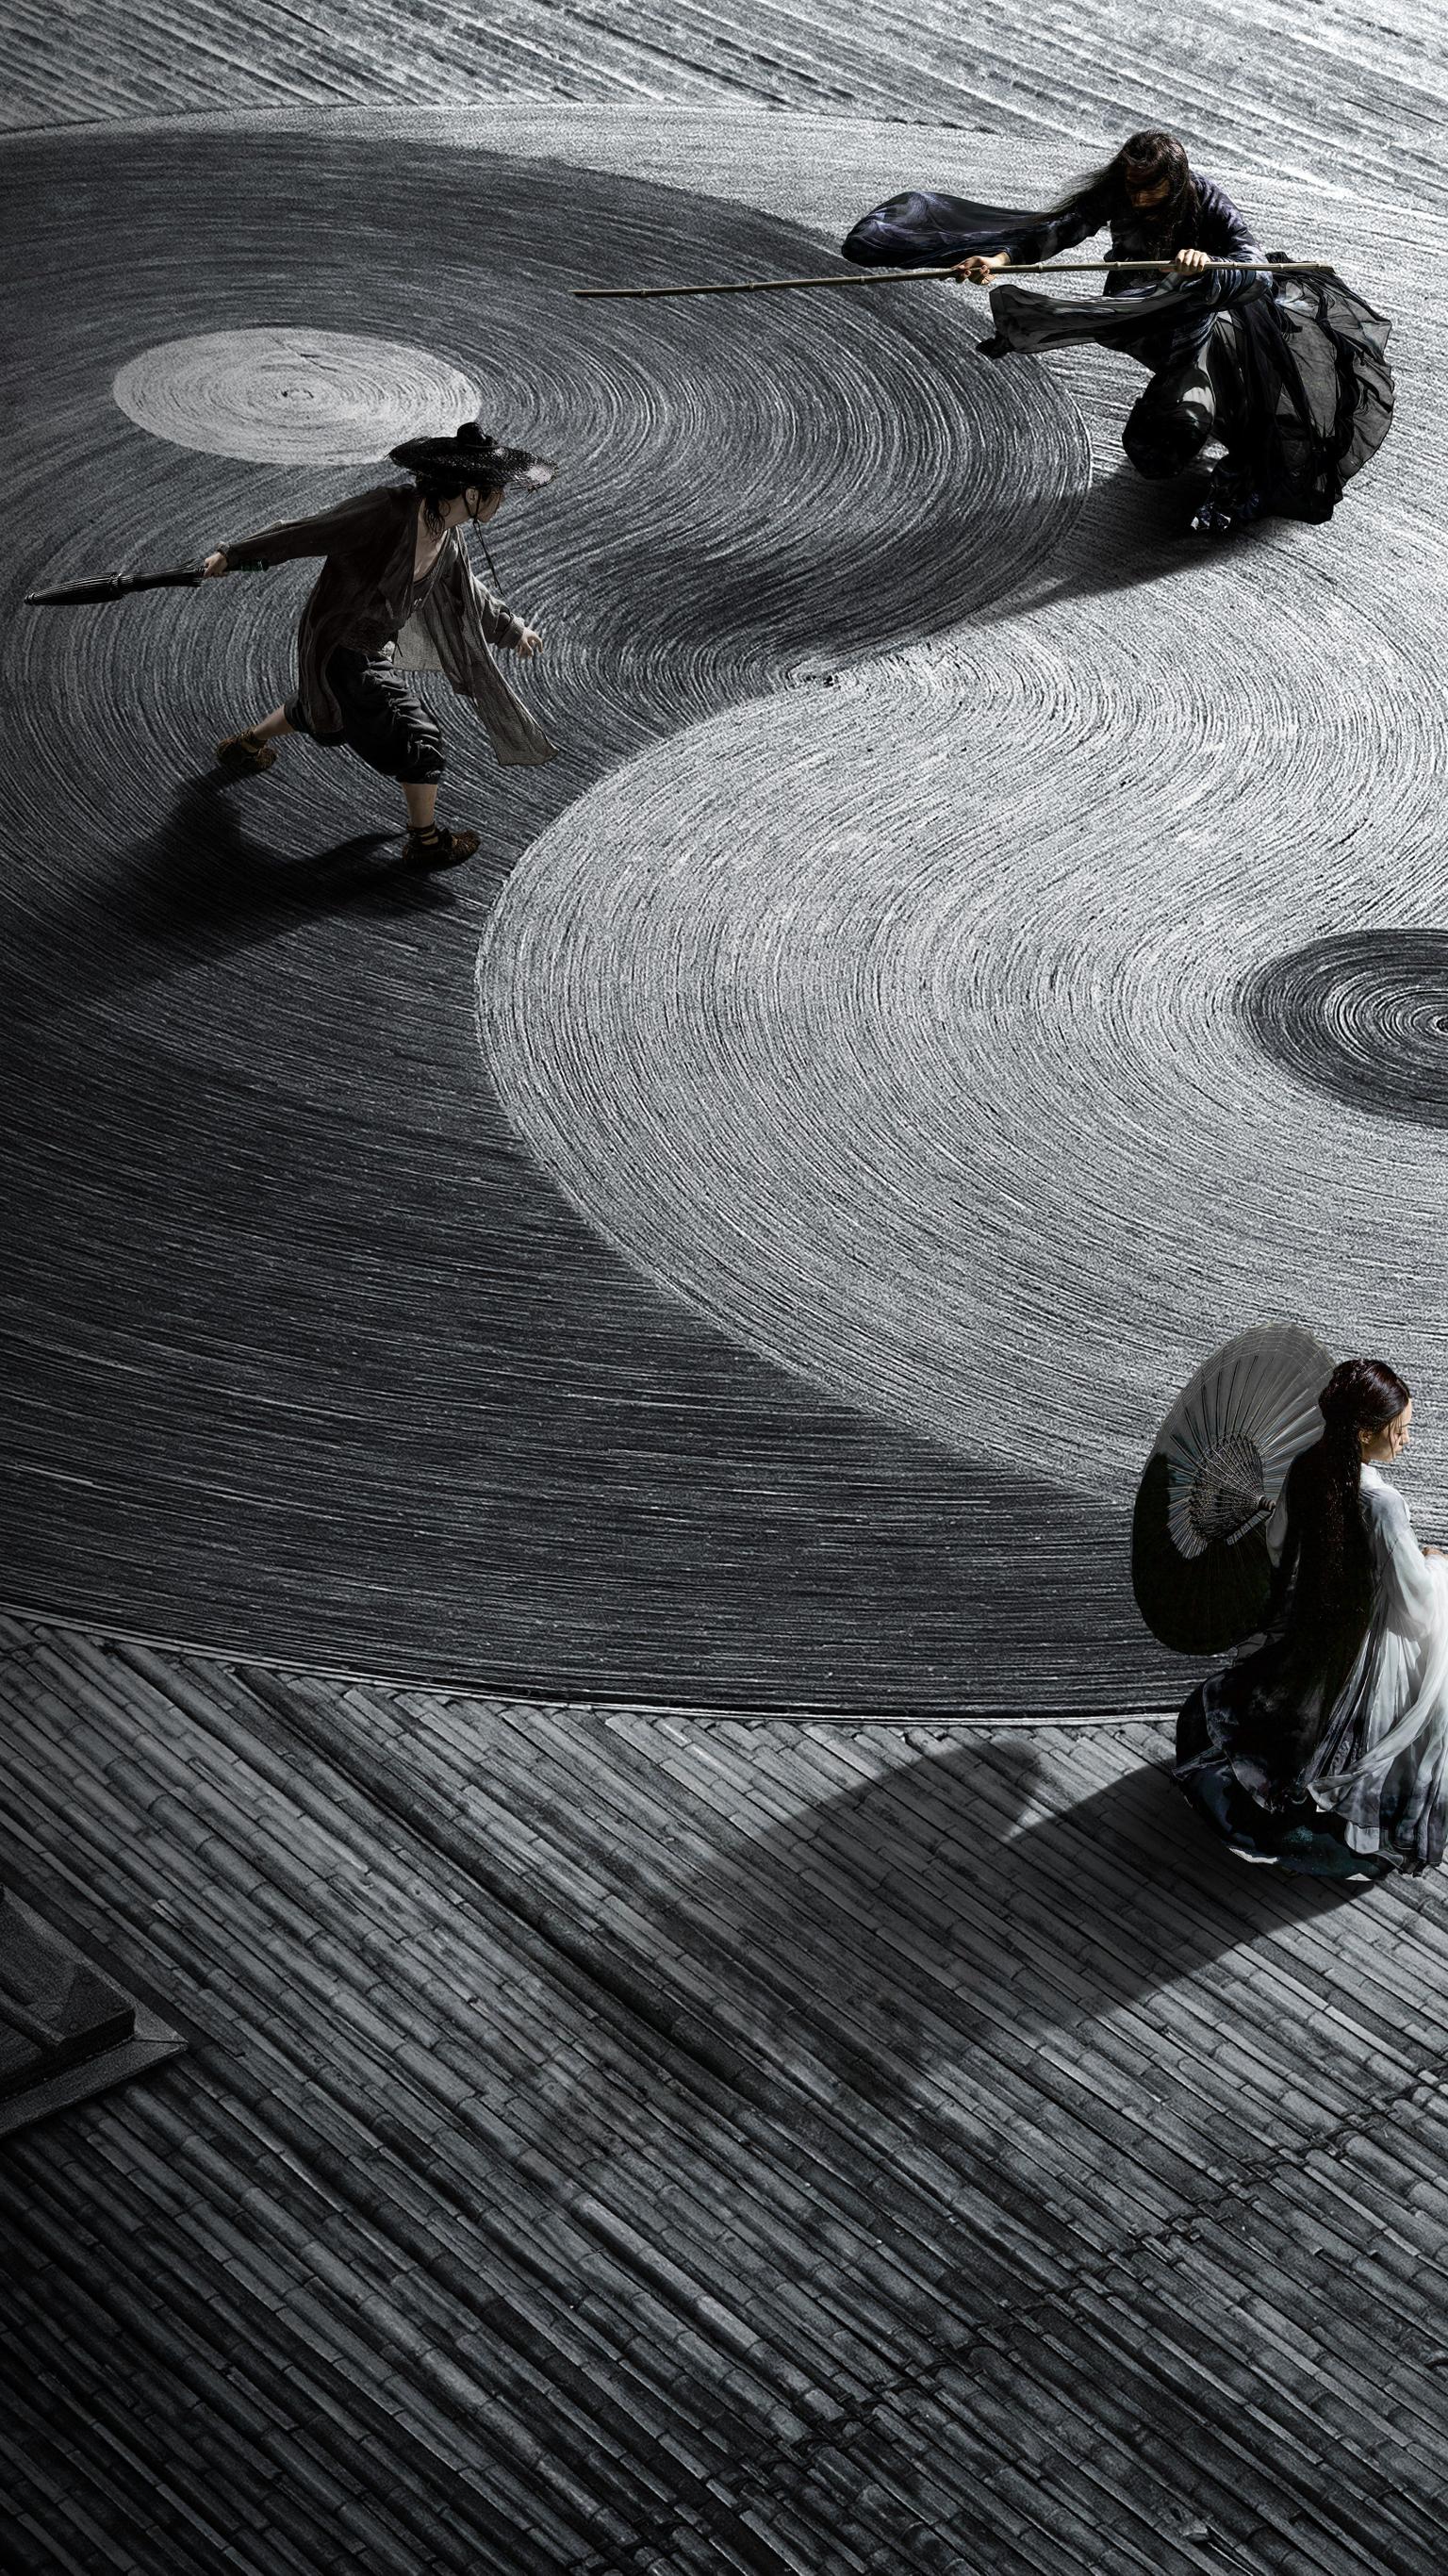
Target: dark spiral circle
[1361,1016]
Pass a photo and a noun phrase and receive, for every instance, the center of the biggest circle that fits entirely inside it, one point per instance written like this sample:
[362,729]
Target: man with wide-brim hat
[397,594]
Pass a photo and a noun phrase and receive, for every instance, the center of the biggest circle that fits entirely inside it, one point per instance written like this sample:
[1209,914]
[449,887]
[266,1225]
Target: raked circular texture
[303,1355]
[899,1029]
[892,1024]
[288,396]
[1361,1015]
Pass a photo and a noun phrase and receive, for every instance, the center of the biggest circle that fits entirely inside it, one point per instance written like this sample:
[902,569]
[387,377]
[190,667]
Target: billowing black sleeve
[925,229]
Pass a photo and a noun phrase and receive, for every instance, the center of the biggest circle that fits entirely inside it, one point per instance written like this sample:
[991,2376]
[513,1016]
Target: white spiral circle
[840,1019]
[282,397]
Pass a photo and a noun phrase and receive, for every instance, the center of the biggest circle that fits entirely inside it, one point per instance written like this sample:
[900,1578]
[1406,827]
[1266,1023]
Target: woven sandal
[246,753]
[438,849]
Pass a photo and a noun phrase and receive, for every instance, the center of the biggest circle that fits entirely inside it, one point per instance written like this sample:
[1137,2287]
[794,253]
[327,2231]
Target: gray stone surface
[916,1101]
[386,1401]
[616,2143]
[898,1029]
[291,397]
[1326,91]
[620,2143]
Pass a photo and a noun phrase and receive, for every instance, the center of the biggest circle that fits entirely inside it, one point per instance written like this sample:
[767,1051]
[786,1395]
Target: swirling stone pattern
[303,1353]
[280,397]
[1362,1016]
[900,1030]
[1333,93]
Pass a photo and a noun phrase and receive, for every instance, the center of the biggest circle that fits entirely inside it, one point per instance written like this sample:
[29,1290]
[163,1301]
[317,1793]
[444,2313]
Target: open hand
[1193,259]
[529,643]
[214,566]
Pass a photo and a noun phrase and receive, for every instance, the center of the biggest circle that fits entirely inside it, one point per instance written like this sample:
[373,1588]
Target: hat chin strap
[487,558]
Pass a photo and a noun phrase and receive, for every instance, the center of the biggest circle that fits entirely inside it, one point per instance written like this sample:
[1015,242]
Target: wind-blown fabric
[1298,1760]
[925,228]
[1301,395]
[1290,374]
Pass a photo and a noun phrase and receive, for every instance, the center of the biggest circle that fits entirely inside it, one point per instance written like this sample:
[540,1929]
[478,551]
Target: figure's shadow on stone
[201,886]
[909,1974]
[1133,531]
[915,1918]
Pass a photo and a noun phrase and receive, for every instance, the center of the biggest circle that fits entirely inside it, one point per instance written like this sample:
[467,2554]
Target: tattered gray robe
[367,597]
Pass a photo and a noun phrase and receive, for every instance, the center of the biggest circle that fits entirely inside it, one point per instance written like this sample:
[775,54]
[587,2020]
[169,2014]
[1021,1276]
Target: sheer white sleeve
[1411,1591]
[1394,1797]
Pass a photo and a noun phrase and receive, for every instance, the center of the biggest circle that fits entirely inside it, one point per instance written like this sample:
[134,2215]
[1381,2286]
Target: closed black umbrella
[118,585]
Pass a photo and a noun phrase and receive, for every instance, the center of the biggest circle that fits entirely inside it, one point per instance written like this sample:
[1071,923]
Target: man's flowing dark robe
[1290,372]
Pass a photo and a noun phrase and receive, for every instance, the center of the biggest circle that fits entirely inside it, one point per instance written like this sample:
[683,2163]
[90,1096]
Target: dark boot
[1229,502]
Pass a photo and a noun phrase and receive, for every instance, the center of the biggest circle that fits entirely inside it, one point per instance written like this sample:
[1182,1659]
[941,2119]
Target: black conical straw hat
[1199,1562]
[468,458]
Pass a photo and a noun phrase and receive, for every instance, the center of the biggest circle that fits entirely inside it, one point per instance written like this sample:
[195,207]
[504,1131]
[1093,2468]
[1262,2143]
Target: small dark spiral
[1362,1016]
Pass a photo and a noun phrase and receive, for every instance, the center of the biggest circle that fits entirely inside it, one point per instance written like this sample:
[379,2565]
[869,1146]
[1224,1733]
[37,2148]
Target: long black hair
[1143,161]
[1332,1568]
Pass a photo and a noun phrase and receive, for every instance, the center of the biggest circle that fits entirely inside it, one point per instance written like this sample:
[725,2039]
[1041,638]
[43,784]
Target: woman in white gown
[1323,1747]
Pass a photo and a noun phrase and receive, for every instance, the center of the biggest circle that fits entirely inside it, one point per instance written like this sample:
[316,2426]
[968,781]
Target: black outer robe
[1304,392]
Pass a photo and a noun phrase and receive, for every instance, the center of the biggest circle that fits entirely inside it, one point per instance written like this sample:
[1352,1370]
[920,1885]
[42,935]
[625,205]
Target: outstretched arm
[1047,236]
[330,532]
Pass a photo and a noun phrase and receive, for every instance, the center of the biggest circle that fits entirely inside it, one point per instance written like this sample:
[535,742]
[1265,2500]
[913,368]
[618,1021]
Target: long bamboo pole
[908,276]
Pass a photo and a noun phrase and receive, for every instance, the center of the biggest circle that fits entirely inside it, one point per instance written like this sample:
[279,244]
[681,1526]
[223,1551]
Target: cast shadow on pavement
[203,886]
[1131,532]
[916,1916]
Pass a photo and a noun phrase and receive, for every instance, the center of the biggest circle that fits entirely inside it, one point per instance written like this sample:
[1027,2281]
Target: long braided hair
[1323,1596]
[1332,1568]
[1143,161]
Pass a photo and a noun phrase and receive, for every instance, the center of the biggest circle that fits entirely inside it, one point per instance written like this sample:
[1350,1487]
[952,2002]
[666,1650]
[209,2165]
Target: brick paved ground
[620,2142]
